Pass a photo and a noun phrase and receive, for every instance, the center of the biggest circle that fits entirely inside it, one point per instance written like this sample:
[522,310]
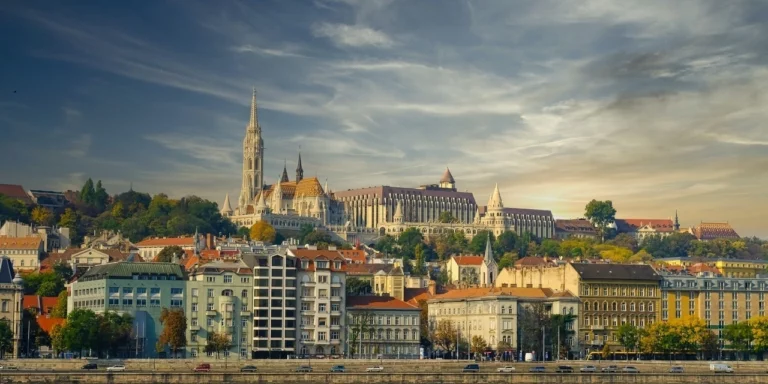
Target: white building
[473,270]
[24,252]
[149,248]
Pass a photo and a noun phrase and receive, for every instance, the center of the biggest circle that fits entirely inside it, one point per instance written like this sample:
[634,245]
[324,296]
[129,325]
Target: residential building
[84,258]
[11,297]
[712,231]
[48,199]
[493,312]
[611,295]
[578,228]
[390,328]
[322,278]
[727,267]
[149,248]
[644,228]
[274,302]
[220,301]
[142,290]
[473,270]
[366,272]
[15,191]
[54,238]
[390,283]
[24,252]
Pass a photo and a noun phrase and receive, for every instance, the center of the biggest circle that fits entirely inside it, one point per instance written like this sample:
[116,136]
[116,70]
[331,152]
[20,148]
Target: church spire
[254,122]
[226,208]
[677,222]
[284,178]
[488,250]
[299,170]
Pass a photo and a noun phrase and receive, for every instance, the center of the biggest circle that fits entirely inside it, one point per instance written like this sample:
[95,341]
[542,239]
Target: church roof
[711,231]
[447,177]
[468,260]
[306,187]
[226,207]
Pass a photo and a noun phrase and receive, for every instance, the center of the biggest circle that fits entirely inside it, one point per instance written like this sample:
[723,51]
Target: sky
[656,105]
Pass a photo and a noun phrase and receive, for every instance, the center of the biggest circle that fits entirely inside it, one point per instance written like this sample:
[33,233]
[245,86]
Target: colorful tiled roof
[355,255]
[47,323]
[28,242]
[378,302]
[632,225]
[168,241]
[468,260]
[415,295]
[712,231]
[500,291]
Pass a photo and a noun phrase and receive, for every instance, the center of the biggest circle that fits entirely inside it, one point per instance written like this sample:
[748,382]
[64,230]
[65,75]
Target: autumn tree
[759,333]
[739,335]
[426,337]
[174,334]
[628,336]
[166,254]
[600,213]
[42,216]
[420,266]
[263,231]
[60,310]
[218,342]
[479,345]
[445,335]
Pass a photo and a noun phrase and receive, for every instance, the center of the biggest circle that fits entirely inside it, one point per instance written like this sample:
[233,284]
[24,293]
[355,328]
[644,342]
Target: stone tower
[299,171]
[253,159]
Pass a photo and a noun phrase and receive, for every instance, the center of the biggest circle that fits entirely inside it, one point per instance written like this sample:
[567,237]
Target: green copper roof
[127,270]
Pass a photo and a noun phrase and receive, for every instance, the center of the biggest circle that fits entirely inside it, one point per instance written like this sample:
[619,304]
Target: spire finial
[299,169]
[254,122]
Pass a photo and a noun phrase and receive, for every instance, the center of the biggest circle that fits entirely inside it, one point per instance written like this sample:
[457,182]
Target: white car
[588,368]
[506,369]
[375,369]
[116,368]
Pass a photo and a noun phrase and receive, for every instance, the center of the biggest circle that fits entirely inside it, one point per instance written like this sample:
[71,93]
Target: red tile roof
[503,291]
[701,267]
[368,269]
[530,261]
[468,260]
[378,302]
[355,255]
[15,191]
[43,304]
[28,242]
[415,295]
[632,225]
[576,225]
[47,323]
[712,231]
[165,242]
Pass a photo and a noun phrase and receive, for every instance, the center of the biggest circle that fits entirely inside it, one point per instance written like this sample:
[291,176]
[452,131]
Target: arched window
[226,292]
[586,306]
[605,307]
[244,294]
[650,307]
[614,306]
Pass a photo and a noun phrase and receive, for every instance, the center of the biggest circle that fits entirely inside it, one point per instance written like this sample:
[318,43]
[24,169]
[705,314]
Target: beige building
[382,327]
[321,279]
[220,301]
[11,296]
[611,295]
[642,229]
[24,252]
[473,270]
[493,313]
[578,228]
[149,248]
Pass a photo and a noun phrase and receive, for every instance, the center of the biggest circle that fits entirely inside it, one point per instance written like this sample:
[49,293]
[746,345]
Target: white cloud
[352,35]
[79,145]
[266,51]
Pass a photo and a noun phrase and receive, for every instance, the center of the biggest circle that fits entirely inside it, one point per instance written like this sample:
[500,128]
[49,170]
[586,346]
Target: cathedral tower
[253,156]
[299,170]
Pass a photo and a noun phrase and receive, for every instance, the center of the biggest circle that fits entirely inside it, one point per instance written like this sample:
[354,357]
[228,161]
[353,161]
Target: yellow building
[727,267]
[611,295]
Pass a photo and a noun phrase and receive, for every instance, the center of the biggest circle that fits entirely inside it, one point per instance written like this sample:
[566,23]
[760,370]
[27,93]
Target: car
[610,369]
[248,368]
[564,369]
[588,369]
[506,369]
[720,368]
[676,369]
[630,369]
[304,368]
[537,369]
[202,367]
[338,369]
[9,368]
[471,368]
[116,368]
[377,368]
[89,366]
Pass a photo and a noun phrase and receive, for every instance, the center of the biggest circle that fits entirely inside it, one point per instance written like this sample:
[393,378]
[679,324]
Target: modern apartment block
[220,301]
[274,302]
[321,299]
[139,289]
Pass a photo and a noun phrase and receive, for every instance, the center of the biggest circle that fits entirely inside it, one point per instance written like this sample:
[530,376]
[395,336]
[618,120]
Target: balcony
[336,298]
[336,285]
[336,342]
[308,283]
[336,326]
[194,327]
[335,313]
[307,326]
[210,313]
[245,312]
[308,297]
[598,327]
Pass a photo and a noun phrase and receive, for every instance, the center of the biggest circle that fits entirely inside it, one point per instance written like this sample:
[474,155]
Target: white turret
[277,198]
[226,208]
[398,216]
[261,205]
[495,206]
[488,259]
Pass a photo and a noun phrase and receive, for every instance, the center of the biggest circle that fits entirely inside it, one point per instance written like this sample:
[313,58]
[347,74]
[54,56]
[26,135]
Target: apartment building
[322,278]
[139,289]
[11,298]
[382,326]
[220,301]
[274,302]
[737,268]
[24,252]
[611,295]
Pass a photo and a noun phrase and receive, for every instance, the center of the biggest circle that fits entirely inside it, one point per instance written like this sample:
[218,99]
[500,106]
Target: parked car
[538,369]
[630,369]
[89,366]
[116,368]
[248,368]
[378,368]
[564,369]
[588,369]
[720,368]
[676,369]
[338,369]
[304,368]
[471,368]
[610,369]
[202,367]
[506,369]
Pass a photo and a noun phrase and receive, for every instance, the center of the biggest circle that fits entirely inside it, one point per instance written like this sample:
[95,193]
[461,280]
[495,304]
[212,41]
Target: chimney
[432,288]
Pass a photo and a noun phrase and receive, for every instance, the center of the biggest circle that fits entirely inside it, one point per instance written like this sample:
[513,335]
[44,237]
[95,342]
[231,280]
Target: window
[210,279]
[154,291]
[334,307]
[175,303]
[141,302]
[244,294]
[127,291]
[624,307]
[322,307]
[193,337]
[209,307]
[632,307]
[194,292]
[210,292]
[141,291]
[154,302]
[227,278]
[114,290]
[305,306]
[177,291]
[321,264]
[322,336]
[245,280]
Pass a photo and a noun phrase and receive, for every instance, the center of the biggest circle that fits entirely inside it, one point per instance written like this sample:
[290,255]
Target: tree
[759,333]
[244,232]
[628,336]
[318,237]
[531,319]
[100,197]
[479,345]
[263,231]
[57,339]
[115,330]
[81,331]
[50,288]
[218,342]
[362,324]
[445,336]
[60,310]
[43,284]
[506,242]
[386,244]
[408,240]
[174,331]
[42,216]
[508,260]
[69,219]
[426,337]
[446,217]
[740,336]
[625,240]
[600,213]
[166,254]
[420,266]
[357,286]
[549,247]
[478,242]
[63,271]
[13,209]
[304,231]
[88,192]
[6,338]
[559,324]
[640,257]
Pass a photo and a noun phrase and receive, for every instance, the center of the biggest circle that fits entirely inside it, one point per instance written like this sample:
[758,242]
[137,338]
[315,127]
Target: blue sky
[656,105]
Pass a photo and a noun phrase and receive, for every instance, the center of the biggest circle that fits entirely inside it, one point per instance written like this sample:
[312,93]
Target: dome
[18,280]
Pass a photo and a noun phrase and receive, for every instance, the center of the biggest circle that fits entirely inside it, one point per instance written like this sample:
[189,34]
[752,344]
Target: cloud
[266,51]
[352,35]
[80,145]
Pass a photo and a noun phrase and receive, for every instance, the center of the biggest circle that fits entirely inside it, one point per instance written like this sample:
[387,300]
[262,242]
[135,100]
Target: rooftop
[28,242]
[15,191]
[615,271]
[126,270]
[167,241]
[468,260]
[468,293]
[378,302]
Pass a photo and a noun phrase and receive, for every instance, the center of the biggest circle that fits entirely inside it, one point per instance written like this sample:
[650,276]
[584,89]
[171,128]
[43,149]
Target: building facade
[322,279]
[24,252]
[644,228]
[578,228]
[726,267]
[11,298]
[142,290]
[382,327]
[220,301]
[473,270]
[149,248]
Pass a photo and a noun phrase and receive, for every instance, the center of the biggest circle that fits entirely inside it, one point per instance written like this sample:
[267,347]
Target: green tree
[317,237]
[739,335]
[50,288]
[69,219]
[58,343]
[625,240]
[549,247]
[386,244]
[408,240]
[6,338]
[263,231]
[114,331]
[478,242]
[13,210]
[60,310]
[166,254]
[628,336]
[244,232]
[357,286]
[446,217]
[42,216]
[100,197]
[420,266]
[88,192]
[506,242]
[174,331]
[600,213]
[508,260]
[362,324]
[304,231]
[81,331]
[118,210]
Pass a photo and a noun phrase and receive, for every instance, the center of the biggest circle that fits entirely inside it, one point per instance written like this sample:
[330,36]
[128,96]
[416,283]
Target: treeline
[135,214]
